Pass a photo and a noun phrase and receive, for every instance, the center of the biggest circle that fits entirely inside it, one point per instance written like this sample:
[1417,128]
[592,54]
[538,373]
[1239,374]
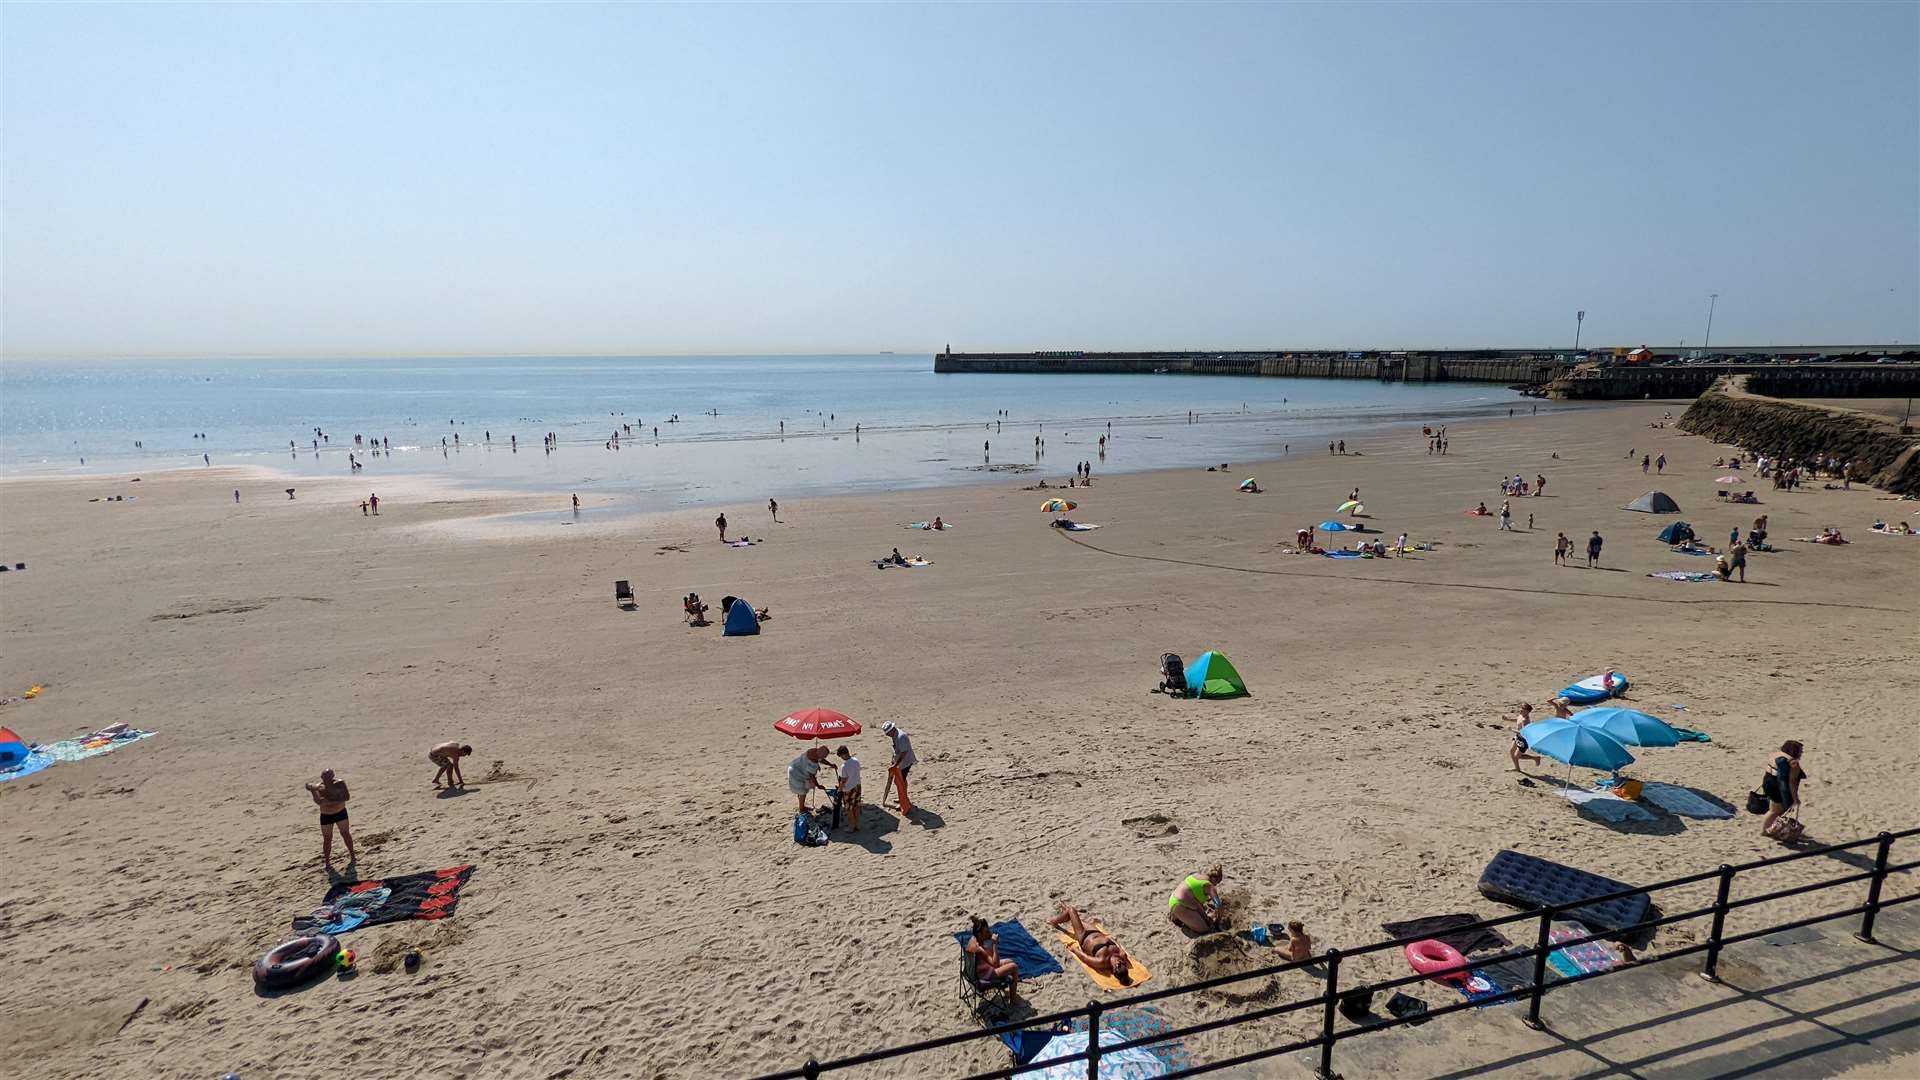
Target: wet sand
[638,907]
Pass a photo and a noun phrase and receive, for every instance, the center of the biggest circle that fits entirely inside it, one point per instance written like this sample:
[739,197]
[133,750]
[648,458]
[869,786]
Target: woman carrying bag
[1781,785]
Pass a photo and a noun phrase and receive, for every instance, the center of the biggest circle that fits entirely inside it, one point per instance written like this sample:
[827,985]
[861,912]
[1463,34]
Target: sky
[291,180]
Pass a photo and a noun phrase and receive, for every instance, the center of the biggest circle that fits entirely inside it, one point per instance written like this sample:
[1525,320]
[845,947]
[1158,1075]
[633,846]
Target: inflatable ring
[1438,959]
[296,961]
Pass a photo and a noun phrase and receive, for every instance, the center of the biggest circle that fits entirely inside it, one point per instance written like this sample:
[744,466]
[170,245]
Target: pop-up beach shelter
[1213,676]
[1655,502]
[13,749]
[740,619]
[1677,533]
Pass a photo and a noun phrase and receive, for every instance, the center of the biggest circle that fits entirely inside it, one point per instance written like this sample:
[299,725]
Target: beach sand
[638,907]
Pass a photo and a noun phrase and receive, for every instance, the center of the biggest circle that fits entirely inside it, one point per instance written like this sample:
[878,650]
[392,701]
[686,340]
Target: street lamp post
[1707,345]
[1578,318]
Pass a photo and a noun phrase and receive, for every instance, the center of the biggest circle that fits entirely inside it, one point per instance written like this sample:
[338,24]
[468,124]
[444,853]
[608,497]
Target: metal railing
[1329,999]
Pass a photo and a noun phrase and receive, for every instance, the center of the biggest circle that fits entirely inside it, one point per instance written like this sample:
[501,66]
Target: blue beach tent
[740,620]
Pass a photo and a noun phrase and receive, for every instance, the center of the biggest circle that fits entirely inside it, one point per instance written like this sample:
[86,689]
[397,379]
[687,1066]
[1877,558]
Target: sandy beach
[638,907]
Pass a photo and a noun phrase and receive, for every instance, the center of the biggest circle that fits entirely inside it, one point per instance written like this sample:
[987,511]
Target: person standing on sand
[1194,906]
[1506,517]
[1593,549]
[1781,785]
[1737,556]
[900,765]
[447,755]
[236,494]
[720,523]
[1646,460]
[774,509]
[1519,748]
[374,501]
[331,795]
[803,774]
[847,794]
[1562,547]
[1660,464]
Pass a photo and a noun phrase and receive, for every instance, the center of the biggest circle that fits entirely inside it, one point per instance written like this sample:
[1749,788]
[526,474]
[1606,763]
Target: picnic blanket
[928,525]
[1682,801]
[1446,929]
[37,759]
[1344,555]
[95,744]
[1136,970]
[1019,946]
[1690,551]
[1690,735]
[1683,575]
[350,905]
[908,565]
[1607,807]
[1137,1022]
[1578,959]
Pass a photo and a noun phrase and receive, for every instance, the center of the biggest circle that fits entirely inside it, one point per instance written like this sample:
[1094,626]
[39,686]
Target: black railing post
[1542,945]
[1093,1040]
[811,1070]
[1326,1020]
[1873,890]
[1711,972]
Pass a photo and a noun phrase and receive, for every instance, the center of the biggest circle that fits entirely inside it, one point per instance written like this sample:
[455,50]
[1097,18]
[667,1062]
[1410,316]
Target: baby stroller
[1173,676]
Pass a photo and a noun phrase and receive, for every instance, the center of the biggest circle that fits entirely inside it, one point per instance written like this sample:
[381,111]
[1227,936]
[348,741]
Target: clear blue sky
[434,178]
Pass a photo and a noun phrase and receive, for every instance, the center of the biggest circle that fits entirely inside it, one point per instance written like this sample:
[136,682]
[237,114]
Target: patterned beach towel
[1578,959]
[1683,801]
[351,905]
[100,742]
[37,759]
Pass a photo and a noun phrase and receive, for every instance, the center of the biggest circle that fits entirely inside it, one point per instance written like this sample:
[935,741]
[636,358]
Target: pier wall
[1731,411]
[1518,369]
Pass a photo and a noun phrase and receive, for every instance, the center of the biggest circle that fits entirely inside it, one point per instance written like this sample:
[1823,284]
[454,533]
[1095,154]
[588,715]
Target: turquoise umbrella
[1572,744]
[1629,726]
[1331,526]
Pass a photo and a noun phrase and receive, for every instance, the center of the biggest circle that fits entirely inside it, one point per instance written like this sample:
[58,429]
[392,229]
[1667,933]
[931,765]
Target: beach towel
[1136,970]
[99,742]
[1136,1022]
[1445,929]
[351,905]
[1479,987]
[1690,551]
[908,565]
[37,759]
[1683,575]
[741,543]
[1606,807]
[1079,527]
[1020,947]
[1343,555]
[1578,959]
[928,525]
[1683,801]
[1690,735]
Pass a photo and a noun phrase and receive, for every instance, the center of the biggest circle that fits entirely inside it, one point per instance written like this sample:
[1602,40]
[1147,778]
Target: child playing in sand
[1299,946]
[1519,748]
[447,755]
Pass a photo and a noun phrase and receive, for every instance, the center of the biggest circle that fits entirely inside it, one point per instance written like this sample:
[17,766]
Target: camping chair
[1173,675]
[980,994]
[623,594]
[695,611]
[1722,494]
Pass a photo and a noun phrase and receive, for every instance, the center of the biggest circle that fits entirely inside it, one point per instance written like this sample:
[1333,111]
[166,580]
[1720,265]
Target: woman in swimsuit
[1781,784]
[1093,947]
[987,965]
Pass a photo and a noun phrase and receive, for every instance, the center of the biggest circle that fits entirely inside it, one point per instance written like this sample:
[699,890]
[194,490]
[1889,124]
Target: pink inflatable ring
[1438,959]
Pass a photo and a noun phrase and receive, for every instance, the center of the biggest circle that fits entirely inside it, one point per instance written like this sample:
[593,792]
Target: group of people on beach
[330,795]
[803,777]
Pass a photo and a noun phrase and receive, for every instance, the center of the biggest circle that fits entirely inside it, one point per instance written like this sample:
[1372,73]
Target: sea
[691,430]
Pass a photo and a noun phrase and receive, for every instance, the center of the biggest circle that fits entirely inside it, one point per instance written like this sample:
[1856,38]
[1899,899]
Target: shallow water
[727,427]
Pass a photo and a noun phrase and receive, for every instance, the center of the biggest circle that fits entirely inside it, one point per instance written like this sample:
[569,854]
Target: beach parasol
[1629,726]
[1249,484]
[1573,745]
[817,724]
[1350,507]
[1331,526]
[1058,506]
[1728,480]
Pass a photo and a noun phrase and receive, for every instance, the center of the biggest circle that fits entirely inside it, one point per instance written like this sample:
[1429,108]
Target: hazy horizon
[307,181]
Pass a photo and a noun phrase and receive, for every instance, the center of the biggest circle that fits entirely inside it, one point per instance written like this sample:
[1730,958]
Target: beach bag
[800,828]
[1756,802]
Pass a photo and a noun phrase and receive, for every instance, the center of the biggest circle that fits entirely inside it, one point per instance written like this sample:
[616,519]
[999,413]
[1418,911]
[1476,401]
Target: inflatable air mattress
[1529,882]
[1589,690]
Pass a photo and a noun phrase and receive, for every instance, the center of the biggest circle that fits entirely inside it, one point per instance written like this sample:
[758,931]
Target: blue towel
[1020,947]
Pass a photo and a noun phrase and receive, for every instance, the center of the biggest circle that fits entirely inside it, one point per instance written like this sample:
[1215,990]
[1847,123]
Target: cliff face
[1880,454]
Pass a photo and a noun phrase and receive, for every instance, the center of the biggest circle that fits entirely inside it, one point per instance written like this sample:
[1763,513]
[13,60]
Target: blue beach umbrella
[1331,526]
[1572,744]
[1629,726]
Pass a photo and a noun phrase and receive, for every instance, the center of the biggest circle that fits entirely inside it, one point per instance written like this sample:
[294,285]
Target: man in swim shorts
[447,755]
[330,795]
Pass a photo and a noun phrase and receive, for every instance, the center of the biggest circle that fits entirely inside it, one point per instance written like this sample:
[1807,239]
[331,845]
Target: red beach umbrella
[817,724]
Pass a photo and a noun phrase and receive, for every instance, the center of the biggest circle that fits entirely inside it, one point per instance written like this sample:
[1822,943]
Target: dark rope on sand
[1461,584]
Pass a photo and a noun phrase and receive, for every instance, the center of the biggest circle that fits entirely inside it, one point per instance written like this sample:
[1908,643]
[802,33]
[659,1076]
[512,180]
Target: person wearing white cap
[903,762]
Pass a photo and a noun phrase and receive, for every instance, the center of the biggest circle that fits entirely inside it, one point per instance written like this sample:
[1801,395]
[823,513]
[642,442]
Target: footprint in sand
[1151,826]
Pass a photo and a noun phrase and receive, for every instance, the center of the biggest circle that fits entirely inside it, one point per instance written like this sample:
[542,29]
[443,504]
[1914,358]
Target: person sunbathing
[695,610]
[1093,947]
[937,525]
[1830,536]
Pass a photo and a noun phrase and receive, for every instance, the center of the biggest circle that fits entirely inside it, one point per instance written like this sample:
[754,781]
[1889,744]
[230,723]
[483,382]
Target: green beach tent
[1213,676]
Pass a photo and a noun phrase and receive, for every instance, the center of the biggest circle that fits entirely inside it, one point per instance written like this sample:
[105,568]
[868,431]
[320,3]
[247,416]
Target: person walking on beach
[236,494]
[720,523]
[1329,449]
[1506,517]
[447,756]
[901,764]
[1561,548]
[1593,549]
[576,504]
[1660,464]
[774,509]
[330,795]
[374,501]
[1646,460]
[1781,785]
[1519,748]
[1737,560]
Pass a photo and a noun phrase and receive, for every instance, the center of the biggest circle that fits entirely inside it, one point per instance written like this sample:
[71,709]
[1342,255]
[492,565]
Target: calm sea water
[916,428]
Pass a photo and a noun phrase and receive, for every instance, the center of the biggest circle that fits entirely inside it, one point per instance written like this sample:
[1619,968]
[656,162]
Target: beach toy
[344,959]
[1438,959]
[1260,935]
[294,962]
[1592,689]
[412,961]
